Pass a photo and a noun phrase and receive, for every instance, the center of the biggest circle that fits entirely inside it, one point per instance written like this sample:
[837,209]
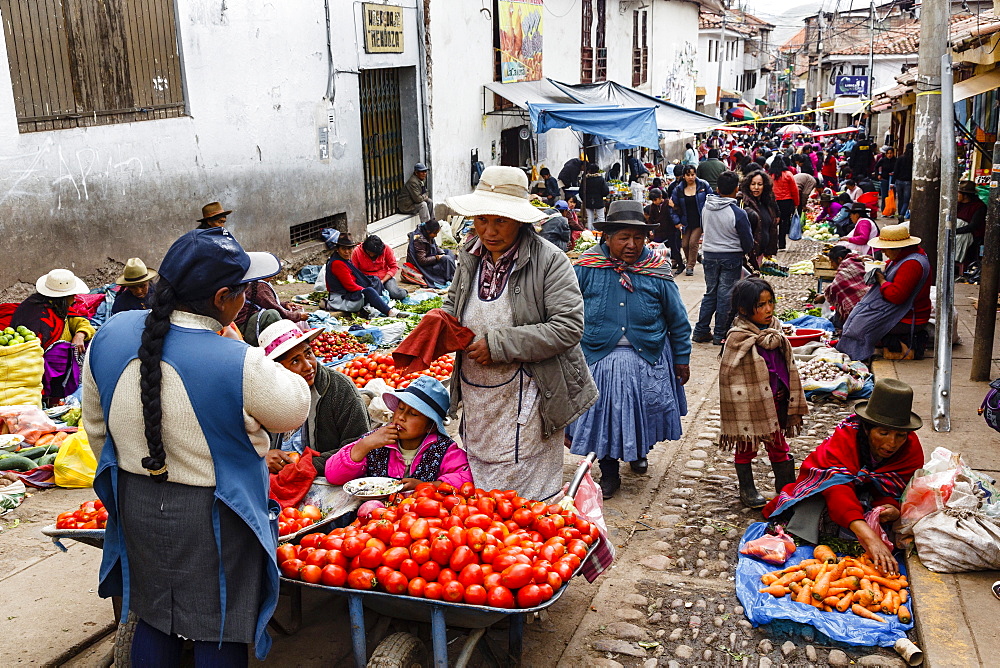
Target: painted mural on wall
[520,40]
[679,84]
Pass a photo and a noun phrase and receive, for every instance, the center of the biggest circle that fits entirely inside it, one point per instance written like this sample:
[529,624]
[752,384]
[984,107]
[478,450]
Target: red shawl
[39,315]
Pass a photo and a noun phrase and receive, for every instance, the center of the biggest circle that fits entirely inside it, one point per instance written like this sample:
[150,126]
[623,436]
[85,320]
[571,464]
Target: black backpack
[990,410]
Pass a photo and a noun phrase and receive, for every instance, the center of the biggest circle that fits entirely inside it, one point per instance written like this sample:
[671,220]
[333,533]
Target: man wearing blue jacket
[727,238]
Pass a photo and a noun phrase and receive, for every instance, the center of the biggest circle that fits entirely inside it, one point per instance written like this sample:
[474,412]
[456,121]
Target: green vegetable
[48,459]
[426,305]
[32,453]
[16,463]
[72,417]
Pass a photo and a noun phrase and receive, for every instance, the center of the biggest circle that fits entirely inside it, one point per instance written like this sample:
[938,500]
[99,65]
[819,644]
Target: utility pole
[945,297]
[989,281]
[721,52]
[871,59]
[927,140]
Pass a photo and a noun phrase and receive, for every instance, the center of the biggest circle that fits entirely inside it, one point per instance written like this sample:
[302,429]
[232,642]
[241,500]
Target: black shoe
[610,477]
[701,338]
[640,465]
[749,495]
[996,589]
[784,474]
[717,341]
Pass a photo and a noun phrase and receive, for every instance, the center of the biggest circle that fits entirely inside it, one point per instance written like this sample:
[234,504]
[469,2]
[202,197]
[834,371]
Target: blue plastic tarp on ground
[634,126]
[845,627]
[813,322]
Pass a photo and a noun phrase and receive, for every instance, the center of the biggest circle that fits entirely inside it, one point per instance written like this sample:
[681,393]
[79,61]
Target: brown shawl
[749,415]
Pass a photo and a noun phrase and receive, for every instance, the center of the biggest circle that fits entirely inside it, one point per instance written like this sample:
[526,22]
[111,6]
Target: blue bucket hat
[425,394]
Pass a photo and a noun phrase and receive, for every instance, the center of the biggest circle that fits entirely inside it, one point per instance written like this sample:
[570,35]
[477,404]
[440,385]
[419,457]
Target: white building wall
[708,71]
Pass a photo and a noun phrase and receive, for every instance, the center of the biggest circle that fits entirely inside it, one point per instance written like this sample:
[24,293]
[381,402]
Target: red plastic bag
[773,549]
[872,519]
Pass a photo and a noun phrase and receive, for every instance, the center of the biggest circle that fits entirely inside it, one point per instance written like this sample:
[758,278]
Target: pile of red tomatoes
[333,345]
[459,545]
[294,519]
[90,515]
[380,365]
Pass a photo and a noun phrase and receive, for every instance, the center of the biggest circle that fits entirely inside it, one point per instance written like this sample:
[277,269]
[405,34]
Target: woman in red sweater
[786,191]
[350,290]
[861,468]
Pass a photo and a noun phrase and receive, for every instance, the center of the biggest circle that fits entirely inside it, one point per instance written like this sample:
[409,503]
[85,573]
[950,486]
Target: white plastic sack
[377,410]
[931,487]
[958,538]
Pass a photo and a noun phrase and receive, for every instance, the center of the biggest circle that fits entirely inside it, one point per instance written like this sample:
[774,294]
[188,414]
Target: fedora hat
[346,240]
[136,273]
[894,236]
[426,395]
[890,405]
[967,188]
[502,191]
[826,196]
[280,337]
[60,283]
[213,210]
[625,212]
[858,207]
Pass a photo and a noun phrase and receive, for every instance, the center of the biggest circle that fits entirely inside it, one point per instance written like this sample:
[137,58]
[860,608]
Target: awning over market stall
[977,85]
[522,93]
[635,126]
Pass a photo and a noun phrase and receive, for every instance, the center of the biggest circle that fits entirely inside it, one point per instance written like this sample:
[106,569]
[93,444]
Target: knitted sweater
[273,398]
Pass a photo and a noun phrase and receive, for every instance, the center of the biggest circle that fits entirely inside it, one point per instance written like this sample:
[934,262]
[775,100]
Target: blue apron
[241,479]
[874,315]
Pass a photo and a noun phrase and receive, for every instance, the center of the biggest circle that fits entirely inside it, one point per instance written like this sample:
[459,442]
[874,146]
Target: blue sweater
[647,316]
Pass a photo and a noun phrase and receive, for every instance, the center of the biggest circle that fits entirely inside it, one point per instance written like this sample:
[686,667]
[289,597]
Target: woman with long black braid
[179,414]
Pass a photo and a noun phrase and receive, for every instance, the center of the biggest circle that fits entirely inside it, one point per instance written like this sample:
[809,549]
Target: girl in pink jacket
[413,447]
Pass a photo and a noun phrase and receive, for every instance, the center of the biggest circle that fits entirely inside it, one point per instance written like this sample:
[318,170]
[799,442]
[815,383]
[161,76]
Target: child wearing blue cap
[413,446]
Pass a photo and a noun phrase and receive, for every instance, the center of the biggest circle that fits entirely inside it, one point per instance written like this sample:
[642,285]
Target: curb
[942,630]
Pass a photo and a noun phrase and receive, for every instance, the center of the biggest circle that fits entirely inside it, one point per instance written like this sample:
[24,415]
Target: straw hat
[60,283]
[136,273]
[890,405]
[502,191]
[894,236]
[282,336]
[212,210]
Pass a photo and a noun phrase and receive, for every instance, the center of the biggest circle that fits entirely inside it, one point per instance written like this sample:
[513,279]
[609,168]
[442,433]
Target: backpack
[990,409]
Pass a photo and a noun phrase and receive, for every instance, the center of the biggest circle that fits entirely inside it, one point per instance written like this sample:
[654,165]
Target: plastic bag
[377,410]
[21,370]
[773,549]
[890,204]
[75,464]
[958,538]
[872,520]
[930,488]
[795,229]
[31,422]
[11,495]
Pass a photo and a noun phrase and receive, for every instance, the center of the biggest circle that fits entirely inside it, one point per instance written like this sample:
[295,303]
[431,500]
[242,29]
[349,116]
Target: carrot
[875,607]
[60,437]
[878,593]
[774,590]
[904,615]
[886,582]
[45,439]
[827,608]
[865,597]
[802,564]
[825,553]
[867,614]
[769,578]
[845,602]
[903,596]
[850,583]
[788,578]
[795,588]
[831,601]
[838,591]
[890,604]
[813,571]
[822,587]
[865,583]
[804,595]
[837,571]
[854,571]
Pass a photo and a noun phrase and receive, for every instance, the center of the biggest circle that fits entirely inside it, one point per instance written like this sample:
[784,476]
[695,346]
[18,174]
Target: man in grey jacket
[727,238]
[413,198]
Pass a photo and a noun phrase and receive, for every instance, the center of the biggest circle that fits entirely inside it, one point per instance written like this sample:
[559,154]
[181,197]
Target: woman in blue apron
[179,413]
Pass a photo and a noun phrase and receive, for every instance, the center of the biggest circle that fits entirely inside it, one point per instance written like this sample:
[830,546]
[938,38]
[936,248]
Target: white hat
[280,337]
[502,191]
[60,283]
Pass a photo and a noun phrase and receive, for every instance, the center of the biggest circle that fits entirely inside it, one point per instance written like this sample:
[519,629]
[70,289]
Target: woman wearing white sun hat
[524,377]
[49,311]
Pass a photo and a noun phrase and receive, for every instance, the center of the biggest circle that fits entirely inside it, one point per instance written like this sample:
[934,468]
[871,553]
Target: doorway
[381,141]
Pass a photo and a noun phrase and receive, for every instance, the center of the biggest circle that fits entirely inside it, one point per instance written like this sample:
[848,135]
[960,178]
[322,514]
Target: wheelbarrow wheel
[399,650]
[123,642]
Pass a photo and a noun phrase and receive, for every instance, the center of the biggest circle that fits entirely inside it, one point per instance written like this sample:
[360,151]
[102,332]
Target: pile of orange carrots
[829,583]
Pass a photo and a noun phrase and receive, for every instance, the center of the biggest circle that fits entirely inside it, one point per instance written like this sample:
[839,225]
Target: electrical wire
[572,6]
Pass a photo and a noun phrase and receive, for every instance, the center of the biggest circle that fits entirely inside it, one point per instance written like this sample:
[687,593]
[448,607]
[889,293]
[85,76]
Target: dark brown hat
[626,212]
[346,240]
[212,210]
[890,406]
[967,188]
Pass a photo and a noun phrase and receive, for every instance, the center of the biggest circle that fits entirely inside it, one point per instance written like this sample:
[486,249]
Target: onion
[367,507]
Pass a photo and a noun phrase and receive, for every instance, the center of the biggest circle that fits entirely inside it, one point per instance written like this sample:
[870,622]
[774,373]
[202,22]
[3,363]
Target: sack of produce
[930,488]
[21,369]
[30,421]
[774,549]
[11,495]
[75,464]
[958,538]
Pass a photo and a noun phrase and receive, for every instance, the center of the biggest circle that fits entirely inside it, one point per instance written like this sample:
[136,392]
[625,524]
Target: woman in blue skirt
[637,343]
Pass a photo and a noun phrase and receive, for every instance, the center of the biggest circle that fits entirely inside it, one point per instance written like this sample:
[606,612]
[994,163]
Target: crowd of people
[204,380]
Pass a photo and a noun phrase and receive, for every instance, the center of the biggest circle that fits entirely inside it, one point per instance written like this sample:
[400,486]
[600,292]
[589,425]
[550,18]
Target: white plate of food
[10,441]
[373,488]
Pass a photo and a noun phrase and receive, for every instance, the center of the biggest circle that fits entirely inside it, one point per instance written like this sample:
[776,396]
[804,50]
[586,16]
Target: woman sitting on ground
[862,467]
[350,290]
[413,447]
[337,416]
[49,312]
[435,264]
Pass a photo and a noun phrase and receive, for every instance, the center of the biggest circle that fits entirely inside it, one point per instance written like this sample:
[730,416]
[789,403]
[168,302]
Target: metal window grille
[305,233]
[586,43]
[381,141]
[645,47]
[636,51]
[601,60]
[79,63]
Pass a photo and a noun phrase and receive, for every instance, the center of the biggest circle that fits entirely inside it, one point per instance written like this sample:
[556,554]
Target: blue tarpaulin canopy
[631,126]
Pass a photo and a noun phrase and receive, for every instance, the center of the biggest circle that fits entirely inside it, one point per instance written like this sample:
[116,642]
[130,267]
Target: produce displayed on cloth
[334,345]
[426,305]
[461,545]
[803,268]
[380,365]
[841,584]
[586,241]
[818,232]
[31,422]
[90,515]
[832,372]
[27,456]
[294,519]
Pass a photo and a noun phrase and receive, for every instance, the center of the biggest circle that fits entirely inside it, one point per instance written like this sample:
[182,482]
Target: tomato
[545,526]
[487,505]
[311,540]
[409,568]
[337,558]
[102,517]
[424,490]
[523,517]
[290,512]
[462,557]
[361,578]
[381,573]
[569,533]
[370,557]
[551,553]
[420,551]
[453,591]
[317,558]
[478,520]
[450,502]
[516,576]
[540,571]
[332,543]
[529,596]
[470,575]
[453,521]
[416,586]
[353,547]
[383,530]
[420,529]
[499,597]
[447,575]
[457,535]
[428,507]
[489,554]
[291,568]
[577,547]
[475,595]
[467,489]
[573,560]
[311,512]
[311,573]
[461,511]
[476,539]
[503,562]
[433,590]
[286,551]
[442,548]
[395,556]
[554,580]
[430,571]
[396,583]
[491,580]
[505,509]
[563,569]
[333,576]
[400,539]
